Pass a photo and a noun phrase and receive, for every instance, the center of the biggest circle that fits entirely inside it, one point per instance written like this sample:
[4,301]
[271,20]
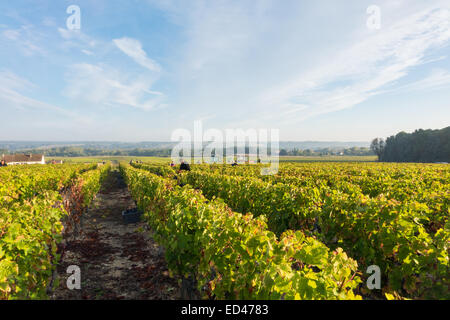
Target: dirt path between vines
[117,261]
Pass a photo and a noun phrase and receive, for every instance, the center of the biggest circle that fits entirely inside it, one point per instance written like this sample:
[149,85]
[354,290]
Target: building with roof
[13,159]
[53,161]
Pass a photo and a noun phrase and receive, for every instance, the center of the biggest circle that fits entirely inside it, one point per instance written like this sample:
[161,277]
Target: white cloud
[76,35]
[78,39]
[26,38]
[11,86]
[67,34]
[10,80]
[12,34]
[87,52]
[437,79]
[106,86]
[260,63]
[133,49]
[364,69]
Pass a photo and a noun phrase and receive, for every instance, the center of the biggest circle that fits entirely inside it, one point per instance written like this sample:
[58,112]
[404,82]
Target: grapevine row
[235,256]
[380,231]
[31,225]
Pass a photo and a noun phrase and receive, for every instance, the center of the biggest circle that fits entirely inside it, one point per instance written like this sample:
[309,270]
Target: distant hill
[15,146]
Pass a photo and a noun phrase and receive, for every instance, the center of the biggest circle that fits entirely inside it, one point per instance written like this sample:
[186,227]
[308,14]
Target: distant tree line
[92,152]
[419,146]
[354,151]
[72,151]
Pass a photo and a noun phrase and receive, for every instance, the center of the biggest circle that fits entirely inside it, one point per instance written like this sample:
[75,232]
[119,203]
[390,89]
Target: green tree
[377,146]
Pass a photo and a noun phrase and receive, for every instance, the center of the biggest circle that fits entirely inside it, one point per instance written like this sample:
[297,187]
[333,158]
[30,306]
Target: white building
[13,159]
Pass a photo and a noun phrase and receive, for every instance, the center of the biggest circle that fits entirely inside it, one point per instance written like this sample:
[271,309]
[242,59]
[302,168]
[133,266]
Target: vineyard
[309,232]
[39,205]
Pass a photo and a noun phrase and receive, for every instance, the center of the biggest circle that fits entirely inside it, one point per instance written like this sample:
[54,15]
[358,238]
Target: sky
[138,70]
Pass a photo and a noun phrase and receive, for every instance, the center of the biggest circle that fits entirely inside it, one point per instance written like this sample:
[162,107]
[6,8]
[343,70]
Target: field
[168,160]
[312,231]
[328,159]
[109,158]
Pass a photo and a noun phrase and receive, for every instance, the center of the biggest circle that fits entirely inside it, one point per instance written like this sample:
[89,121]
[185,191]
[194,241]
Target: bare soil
[117,260]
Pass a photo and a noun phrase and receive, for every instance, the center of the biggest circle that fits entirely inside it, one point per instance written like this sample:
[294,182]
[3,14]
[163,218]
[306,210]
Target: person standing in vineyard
[3,164]
[185,166]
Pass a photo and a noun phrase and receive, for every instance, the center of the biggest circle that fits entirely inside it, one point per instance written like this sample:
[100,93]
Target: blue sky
[138,70]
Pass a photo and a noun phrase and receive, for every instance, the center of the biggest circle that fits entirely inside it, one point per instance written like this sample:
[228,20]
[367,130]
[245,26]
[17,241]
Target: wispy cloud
[436,80]
[106,86]
[10,80]
[249,63]
[26,38]
[76,38]
[11,96]
[238,56]
[362,70]
[87,52]
[133,49]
